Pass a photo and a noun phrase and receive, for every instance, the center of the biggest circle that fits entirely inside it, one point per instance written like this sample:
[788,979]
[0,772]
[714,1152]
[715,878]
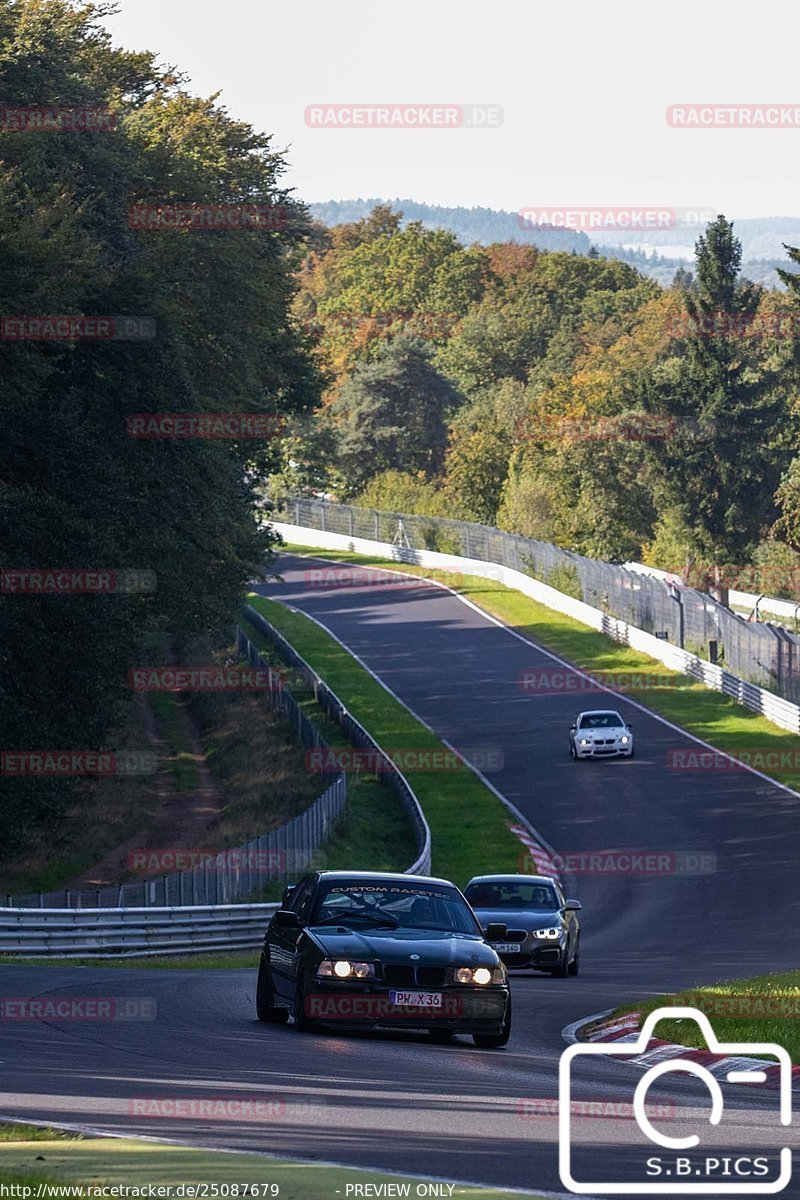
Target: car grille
[404,975]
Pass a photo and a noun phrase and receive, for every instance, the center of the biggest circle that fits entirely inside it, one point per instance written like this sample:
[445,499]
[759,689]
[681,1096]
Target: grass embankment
[468,822]
[709,715]
[763,1009]
[102,814]
[30,1157]
[376,833]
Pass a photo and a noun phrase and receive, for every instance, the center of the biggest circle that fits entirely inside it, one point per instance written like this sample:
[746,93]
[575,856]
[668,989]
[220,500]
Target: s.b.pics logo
[689,1160]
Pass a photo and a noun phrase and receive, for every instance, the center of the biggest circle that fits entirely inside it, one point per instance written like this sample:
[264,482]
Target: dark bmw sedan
[367,950]
[528,921]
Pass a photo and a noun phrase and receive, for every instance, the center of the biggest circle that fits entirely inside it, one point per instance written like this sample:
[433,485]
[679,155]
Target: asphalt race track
[397,1101]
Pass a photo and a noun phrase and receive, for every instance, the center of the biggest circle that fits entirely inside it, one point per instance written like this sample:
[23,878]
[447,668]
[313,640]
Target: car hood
[611,731]
[434,947]
[521,918]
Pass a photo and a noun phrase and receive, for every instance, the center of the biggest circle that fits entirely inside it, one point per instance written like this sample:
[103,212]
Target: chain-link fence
[761,653]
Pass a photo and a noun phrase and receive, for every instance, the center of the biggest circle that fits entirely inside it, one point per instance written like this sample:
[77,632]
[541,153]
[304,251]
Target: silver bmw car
[528,921]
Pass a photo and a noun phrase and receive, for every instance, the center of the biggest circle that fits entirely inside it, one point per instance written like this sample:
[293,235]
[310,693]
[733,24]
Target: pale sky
[584,88]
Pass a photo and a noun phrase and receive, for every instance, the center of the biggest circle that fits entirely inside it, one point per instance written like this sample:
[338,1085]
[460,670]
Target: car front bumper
[537,955]
[467,1010]
[604,750]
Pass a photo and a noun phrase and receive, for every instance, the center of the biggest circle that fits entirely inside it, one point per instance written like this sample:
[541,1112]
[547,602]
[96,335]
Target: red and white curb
[628,1028]
[543,858]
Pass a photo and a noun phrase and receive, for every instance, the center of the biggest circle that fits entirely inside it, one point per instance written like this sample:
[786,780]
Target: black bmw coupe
[367,950]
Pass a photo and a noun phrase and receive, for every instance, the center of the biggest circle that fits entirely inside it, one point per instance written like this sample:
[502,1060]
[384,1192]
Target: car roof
[596,712]
[511,879]
[383,876]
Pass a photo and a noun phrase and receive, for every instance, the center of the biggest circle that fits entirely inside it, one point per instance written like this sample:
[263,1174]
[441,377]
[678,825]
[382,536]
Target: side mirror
[286,919]
[495,931]
[572,906]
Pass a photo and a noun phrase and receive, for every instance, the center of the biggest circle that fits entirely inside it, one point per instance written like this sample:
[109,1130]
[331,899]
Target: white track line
[92,1131]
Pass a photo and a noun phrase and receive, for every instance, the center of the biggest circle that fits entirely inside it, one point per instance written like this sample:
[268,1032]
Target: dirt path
[182,821]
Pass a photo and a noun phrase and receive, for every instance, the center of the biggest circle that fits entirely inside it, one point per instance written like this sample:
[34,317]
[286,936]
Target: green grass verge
[131,1163]
[709,715]
[468,822]
[376,833]
[763,1009]
[171,720]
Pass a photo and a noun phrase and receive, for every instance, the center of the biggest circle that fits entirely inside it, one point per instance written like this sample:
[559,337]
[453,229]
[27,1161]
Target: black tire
[301,1022]
[266,1010]
[493,1041]
[561,971]
[572,753]
[575,965]
[441,1035]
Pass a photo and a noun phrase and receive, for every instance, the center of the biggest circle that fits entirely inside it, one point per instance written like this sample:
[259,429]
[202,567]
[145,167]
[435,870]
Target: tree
[392,413]
[717,465]
[76,491]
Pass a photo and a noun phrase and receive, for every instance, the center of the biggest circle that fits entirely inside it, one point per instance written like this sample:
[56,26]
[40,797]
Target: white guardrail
[774,708]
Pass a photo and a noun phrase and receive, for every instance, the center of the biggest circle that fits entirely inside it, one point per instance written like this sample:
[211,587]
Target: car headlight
[480,975]
[343,968]
[624,739]
[585,741]
[547,935]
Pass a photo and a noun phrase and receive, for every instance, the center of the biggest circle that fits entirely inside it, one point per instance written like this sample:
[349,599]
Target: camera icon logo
[695,1168]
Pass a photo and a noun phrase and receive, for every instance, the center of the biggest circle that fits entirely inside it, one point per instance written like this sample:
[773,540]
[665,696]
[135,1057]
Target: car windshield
[397,905]
[601,720]
[540,896]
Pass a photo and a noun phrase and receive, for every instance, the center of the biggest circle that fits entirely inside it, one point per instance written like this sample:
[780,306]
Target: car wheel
[266,1009]
[631,753]
[575,965]
[572,753]
[493,1041]
[301,1021]
[561,971]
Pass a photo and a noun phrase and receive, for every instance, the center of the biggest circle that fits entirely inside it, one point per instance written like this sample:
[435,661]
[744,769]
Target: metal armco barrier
[315,527]
[182,925]
[132,932]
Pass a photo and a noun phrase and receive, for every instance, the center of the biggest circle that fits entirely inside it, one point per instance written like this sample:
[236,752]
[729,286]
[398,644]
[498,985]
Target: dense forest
[562,396]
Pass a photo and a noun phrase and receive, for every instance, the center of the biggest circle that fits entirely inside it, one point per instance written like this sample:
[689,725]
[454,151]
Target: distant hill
[482,225]
[657,254]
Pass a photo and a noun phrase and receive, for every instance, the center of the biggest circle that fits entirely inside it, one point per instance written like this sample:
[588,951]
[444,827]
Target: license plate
[416,999]
[506,947]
